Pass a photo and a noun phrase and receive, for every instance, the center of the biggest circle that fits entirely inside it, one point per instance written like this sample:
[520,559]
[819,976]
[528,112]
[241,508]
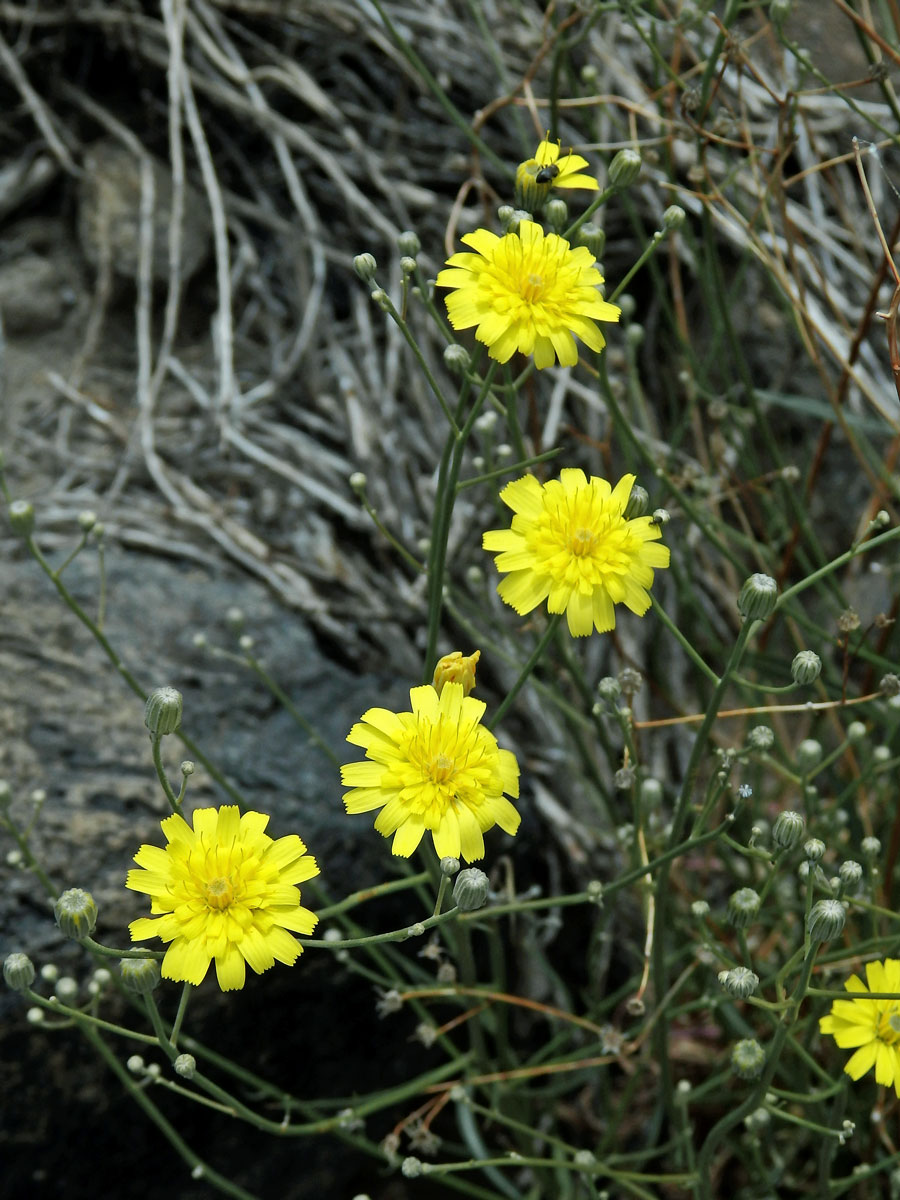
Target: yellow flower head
[549,169]
[456,667]
[434,768]
[527,291]
[570,544]
[223,890]
[870,1027]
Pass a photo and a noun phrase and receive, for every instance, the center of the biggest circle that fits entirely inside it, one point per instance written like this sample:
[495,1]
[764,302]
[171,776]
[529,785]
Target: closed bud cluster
[806,667]
[756,600]
[470,889]
[140,975]
[739,981]
[826,920]
[748,1059]
[76,913]
[162,712]
[787,830]
[624,169]
[743,907]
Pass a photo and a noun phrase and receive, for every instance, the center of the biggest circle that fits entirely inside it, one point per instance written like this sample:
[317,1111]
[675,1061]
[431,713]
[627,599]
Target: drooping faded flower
[869,1027]
[548,169]
[435,768]
[527,291]
[570,544]
[223,890]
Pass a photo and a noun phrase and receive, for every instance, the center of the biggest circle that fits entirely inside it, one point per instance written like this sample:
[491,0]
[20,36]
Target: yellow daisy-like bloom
[548,169]
[435,768]
[570,544]
[870,1027]
[226,891]
[527,291]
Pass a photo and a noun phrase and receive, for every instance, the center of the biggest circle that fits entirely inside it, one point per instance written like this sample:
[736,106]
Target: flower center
[583,542]
[442,767]
[532,288]
[219,892]
[889,1026]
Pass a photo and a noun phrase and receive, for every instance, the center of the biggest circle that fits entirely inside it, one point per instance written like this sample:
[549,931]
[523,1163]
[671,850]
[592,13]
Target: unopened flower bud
[760,738]
[407,264]
[557,213]
[185,1065]
[674,217]
[870,848]
[21,517]
[779,11]
[814,850]
[850,873]
[787,830]
[408,243]
[457,359]
[700,909]
[826,920]
[470,889]
[757,597]
[365,267]
[139,975]
[411,1168]
[76,913]
[449,865]
[856,732]
[651,794]
[456,667]
[661,516]
[739,981]
[162,712]
[87,520]
[624,169]
[609,689]
[18,972]
[748,1059]
[593,237]
[889,685]
[743,907]
[638,503]
[806,667]
[809,754]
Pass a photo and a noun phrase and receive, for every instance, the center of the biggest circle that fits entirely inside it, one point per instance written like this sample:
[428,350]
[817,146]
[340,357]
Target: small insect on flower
[871,1028]
[547,174]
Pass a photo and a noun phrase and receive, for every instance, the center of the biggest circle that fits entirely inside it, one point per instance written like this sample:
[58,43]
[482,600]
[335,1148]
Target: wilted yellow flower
[570,544]
[456,667]
[223,890]
[527,291]
[548,169]
[870,1027]
[435,768]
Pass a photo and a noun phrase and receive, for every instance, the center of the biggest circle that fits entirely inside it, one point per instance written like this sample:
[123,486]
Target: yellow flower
[435,768]
[570,544]
[870,1027]
[536,176]
[223,890]
[527,291]
[456,668]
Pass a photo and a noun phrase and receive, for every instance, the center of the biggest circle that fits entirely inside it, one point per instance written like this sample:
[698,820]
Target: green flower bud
[889,685]
[470,889]
[739,982]
[18,972]
[757,597]
[624,169]
[760,738]
[87,520]
[609,689]
[856,732]
[806,667]
[21,518]
[756,1122]
[76,913]
[593,237]
[557,213]
[871,848]
[814,850]
[457,359]
[185,1066]
[748,1059]
[809,754]
[408,243]
[787,830]
[651,794]
[826,920]
[674,217]
[162,712]
[139,975]
[594,891]
[700,909]
[779,11]
[638,503]
[412,1168]
[850,873]
[407,264]
[449,866]
[365,267]
[743,907]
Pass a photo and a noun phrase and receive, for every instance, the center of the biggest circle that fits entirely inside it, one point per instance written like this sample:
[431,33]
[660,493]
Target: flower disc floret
[435,768]
[527,291]
[225,891]
[871,1028]
[571,545]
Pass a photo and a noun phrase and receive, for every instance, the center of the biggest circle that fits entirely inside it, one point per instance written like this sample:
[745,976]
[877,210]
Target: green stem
[537,654]
[155,741]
